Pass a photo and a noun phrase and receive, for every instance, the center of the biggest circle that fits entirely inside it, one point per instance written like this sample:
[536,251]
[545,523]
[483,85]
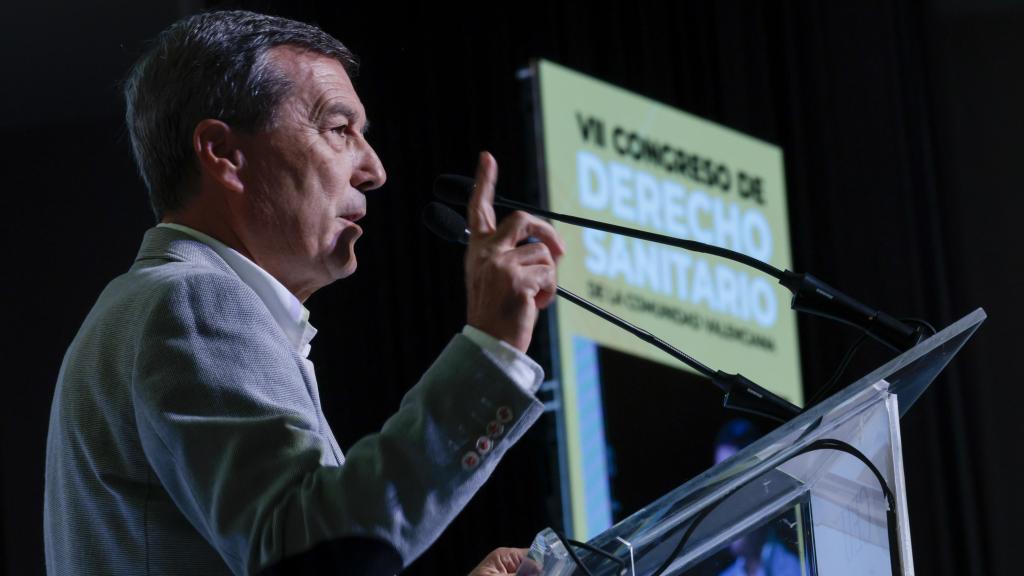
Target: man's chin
[346,269]
[345,262]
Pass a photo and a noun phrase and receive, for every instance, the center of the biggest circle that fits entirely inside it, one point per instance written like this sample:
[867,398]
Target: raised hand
[507,281]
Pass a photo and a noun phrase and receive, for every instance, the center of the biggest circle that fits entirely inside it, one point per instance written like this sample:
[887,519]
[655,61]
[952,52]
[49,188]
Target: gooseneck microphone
[741,394]
[446,223]
[810,294]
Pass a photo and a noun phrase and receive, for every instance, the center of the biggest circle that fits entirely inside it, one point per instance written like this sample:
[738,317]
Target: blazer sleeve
[228,423]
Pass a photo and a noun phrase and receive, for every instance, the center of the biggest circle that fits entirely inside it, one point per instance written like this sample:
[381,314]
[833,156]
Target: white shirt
[293,317]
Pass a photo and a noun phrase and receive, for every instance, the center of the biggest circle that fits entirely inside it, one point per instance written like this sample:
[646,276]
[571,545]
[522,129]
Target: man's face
[306,175]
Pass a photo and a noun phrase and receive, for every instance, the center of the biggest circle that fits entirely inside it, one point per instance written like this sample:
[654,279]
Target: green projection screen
[611,155]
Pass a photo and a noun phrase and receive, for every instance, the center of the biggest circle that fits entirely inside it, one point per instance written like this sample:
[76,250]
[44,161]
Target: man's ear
[218,151]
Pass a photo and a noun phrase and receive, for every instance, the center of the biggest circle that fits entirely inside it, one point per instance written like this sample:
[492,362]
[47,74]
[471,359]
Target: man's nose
[369,173]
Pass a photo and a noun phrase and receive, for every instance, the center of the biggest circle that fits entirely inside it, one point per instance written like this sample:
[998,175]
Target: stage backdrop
[617,157]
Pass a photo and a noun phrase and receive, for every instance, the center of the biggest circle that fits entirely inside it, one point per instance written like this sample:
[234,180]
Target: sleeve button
[505,415]
[470,461]
[484,445]
[495,429]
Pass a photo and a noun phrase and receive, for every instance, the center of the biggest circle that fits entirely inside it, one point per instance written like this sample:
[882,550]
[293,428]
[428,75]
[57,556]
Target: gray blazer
[186,434]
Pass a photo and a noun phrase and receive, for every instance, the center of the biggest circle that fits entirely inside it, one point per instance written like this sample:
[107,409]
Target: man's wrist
[522,369]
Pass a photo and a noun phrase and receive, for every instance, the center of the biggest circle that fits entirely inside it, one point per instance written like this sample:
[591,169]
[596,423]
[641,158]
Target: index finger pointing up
[481,204]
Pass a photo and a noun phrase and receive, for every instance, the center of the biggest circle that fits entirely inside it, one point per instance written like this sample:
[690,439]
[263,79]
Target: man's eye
[342,130]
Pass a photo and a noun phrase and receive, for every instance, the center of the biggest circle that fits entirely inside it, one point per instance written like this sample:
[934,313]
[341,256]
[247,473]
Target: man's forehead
[320,83]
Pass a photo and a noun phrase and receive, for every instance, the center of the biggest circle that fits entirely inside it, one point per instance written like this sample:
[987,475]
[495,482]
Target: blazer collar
[172,245]
[164,244]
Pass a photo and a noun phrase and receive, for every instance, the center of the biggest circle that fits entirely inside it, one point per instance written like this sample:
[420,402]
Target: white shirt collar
[286,309]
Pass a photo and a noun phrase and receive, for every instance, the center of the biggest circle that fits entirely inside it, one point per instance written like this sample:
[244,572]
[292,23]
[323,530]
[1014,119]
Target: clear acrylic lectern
[822,494]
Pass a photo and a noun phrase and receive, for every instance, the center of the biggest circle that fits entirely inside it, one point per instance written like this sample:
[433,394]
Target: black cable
[823,444]
[826,389]
[689,532]
[921,322]
[569,544]
[572,554]
[596,550]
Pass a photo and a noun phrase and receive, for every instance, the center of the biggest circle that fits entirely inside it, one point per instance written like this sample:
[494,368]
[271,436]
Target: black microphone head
[453,188]
[445,222]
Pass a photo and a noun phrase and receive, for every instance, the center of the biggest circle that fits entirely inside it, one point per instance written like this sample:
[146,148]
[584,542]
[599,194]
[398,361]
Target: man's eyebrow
[340,108]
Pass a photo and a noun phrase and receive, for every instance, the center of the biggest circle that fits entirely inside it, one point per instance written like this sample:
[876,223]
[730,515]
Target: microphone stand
[810,294]
[741,394]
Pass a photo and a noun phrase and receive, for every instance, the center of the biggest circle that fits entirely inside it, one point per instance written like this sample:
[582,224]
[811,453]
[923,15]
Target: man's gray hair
[211,65]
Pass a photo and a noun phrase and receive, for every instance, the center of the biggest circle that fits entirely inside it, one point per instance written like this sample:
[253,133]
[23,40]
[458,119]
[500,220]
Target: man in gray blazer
[186,434]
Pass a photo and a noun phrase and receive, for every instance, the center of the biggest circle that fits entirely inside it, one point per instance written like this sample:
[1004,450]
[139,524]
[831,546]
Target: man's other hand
[507,281]
[501,562]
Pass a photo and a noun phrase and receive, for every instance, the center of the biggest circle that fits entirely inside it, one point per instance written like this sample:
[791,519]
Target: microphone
[810,294]
[446,223]
[741,394]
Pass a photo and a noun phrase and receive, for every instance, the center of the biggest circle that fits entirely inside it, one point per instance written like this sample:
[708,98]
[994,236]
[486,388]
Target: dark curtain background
[900,123]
